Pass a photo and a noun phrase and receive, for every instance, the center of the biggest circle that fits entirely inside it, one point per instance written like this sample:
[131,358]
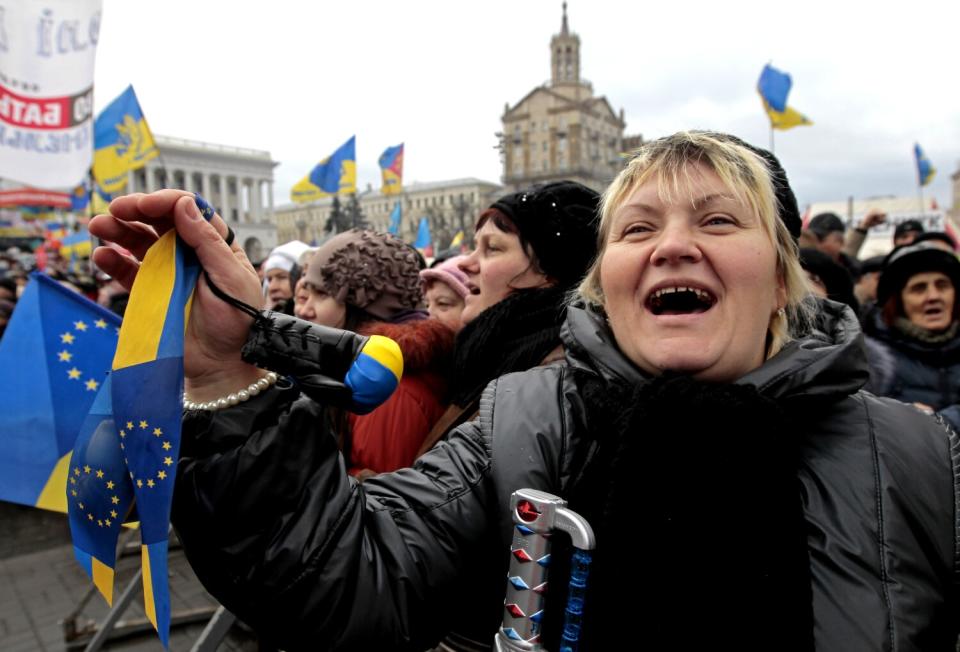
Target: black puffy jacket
[282,537]
[909,370]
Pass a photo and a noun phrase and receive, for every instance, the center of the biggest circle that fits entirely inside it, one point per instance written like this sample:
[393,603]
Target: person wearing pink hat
[444,290]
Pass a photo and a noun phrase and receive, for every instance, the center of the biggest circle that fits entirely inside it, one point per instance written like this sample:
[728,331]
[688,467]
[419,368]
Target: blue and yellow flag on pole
[133,436]
[774,89]
[391,168]
[122,142]
[925,169]
[395,215]
[56,351]
[336,174]
[424,243]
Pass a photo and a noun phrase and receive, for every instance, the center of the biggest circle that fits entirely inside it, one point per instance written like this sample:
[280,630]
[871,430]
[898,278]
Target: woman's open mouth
[680,300]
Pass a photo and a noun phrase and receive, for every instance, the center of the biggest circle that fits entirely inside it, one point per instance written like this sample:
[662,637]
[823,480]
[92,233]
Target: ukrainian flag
[391,168]
[76,245]
[336,174]
[774,88]
[141,425]
[925,169]
[122,142]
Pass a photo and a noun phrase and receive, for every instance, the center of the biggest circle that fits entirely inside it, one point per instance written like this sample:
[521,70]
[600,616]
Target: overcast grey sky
[299,78]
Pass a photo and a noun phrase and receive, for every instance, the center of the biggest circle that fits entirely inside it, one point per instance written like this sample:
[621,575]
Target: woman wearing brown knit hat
[369,282]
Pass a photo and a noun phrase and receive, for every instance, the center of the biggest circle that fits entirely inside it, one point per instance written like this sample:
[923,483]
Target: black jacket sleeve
[277,532]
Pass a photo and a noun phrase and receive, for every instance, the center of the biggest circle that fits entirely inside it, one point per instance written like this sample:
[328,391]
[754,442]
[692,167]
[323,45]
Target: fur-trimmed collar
[426,344]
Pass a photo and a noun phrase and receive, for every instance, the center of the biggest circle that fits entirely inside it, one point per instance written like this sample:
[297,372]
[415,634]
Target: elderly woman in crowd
[444,290]
[913,340]
[743,490]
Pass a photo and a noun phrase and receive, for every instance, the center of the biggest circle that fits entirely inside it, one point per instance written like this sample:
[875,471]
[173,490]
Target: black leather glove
[320,358]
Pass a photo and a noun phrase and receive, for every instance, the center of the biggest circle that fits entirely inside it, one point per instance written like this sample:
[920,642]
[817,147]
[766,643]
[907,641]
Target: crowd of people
[756,422]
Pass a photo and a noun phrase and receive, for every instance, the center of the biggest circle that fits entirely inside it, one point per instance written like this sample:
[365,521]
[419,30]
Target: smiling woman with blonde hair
[707,420]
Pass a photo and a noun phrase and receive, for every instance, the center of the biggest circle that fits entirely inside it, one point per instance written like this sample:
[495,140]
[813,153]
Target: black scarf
[693,493]
[512,335]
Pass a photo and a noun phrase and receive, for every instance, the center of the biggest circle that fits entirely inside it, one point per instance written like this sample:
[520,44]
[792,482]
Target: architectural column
[131,183]
[270,198]
[207,191]
[240,207]
[224,198]
[256,200]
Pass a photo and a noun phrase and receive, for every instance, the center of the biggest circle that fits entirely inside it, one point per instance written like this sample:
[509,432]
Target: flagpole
[771,139]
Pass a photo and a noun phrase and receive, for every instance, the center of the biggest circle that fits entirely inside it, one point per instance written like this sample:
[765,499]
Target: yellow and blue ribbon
[128,448]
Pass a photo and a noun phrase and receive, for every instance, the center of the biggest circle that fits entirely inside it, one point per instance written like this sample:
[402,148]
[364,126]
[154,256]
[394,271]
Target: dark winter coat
[282,537]
[911,371]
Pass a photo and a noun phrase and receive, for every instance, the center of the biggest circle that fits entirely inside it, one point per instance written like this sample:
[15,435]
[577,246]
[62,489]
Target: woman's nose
[676,243]
[469,264]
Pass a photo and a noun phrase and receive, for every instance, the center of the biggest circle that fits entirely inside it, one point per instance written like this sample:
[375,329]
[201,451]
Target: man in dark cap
[906,232]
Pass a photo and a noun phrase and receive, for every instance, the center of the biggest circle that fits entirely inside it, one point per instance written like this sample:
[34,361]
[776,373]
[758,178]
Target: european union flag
[925,169]
[391,168]
[333,175]
[56,352]
[394,228]
[122,142]
[136,428]
[774,87]
[100,493]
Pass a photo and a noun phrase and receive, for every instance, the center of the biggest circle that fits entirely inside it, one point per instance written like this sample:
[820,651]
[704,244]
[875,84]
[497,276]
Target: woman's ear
[781,293]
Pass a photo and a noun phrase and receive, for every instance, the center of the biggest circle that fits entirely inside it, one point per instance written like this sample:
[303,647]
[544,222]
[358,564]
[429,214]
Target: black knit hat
[789,211]
[835,278]
[903,262]
[560,221]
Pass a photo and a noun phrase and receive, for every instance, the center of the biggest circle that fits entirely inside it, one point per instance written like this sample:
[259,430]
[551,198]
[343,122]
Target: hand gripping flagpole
[537,515]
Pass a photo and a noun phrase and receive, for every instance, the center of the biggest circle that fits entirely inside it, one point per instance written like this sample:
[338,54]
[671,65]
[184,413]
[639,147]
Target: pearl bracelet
[229,400]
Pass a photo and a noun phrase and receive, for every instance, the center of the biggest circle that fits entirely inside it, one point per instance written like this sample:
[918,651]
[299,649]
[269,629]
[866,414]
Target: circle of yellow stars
[68,338]
[101,520]
[149,482]
[161,474]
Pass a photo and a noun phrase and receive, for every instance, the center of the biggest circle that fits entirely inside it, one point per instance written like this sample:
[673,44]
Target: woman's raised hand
[216,331]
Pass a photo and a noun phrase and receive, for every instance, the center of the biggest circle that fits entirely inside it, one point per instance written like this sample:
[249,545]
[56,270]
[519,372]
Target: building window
[544,145]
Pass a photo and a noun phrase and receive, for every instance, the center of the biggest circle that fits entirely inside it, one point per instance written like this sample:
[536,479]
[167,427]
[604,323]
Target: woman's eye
[636,228]
[715,220]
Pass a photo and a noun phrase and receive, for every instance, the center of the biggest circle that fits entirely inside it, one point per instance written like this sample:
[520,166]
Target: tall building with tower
[561,130]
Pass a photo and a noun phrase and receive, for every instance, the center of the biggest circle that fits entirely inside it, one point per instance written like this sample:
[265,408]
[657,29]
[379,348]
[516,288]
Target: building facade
[449,206]
[237,181]
[561,130]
